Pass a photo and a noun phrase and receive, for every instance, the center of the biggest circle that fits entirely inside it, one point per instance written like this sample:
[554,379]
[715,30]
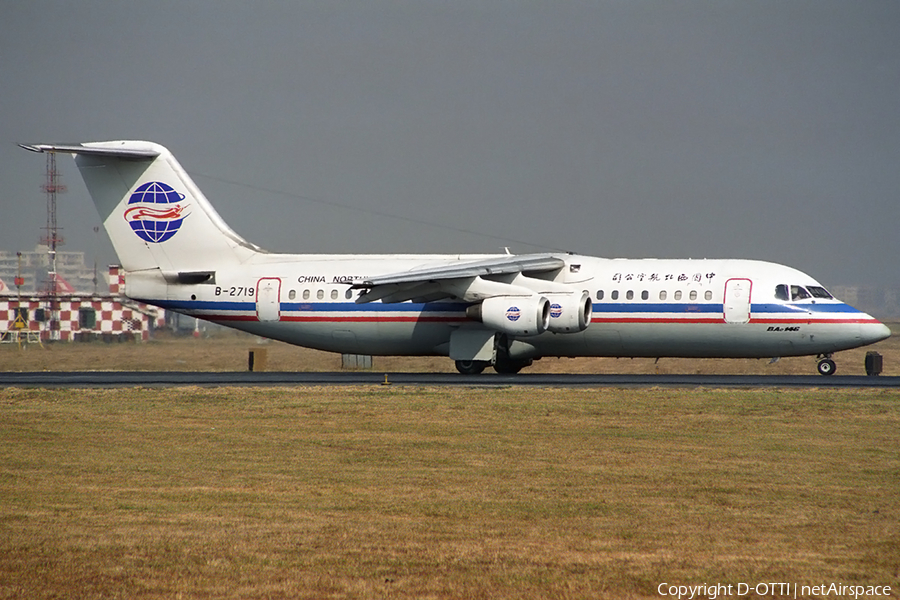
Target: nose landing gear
[826,366]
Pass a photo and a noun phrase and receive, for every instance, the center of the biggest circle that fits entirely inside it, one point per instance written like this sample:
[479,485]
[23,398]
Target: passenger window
[348,294]
[320,294]
[708,295]
[693,294]
[599,294]
[615,294]
[819,292]
[799,293]
[306,294]
[292,294]
[645,295]
[678,294]
[334,294]
[781,292]
[662,294]
[629,295]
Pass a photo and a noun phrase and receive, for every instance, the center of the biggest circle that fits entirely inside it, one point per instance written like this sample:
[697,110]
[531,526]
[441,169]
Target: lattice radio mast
[51,238]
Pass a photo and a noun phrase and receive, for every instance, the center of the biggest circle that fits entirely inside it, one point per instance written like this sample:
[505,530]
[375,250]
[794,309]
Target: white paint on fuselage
[315,311]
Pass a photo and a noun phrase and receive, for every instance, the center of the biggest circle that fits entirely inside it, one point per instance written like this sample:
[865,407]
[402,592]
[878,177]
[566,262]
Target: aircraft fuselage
[641,308]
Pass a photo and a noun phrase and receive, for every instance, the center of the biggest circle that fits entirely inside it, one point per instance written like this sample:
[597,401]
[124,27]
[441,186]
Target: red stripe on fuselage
[324,318]
[314,319]
[719,321]
[694,320]
[813,321]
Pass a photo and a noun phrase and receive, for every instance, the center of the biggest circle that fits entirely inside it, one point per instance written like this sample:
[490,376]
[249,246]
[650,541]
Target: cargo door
[268,299]
[737,300]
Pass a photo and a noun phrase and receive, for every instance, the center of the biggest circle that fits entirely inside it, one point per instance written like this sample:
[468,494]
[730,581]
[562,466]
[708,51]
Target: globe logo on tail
[155,211]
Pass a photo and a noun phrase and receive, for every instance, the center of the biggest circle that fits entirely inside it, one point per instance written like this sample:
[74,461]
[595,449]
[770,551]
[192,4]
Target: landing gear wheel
[503,364]
[826,367]
[471,367]
[511,367]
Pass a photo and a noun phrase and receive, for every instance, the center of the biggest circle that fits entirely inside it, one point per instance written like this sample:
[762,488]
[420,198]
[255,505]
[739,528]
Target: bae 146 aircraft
[497,310]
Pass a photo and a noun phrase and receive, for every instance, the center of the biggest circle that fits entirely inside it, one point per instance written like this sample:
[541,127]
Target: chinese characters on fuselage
[656,277]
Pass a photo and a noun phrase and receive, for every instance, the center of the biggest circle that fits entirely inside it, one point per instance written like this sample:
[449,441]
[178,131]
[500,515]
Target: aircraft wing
[426,284]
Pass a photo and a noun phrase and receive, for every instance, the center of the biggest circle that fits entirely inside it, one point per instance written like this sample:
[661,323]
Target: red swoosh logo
[136,213]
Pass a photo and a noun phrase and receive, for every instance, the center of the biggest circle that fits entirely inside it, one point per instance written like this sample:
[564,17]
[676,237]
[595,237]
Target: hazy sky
[766,130]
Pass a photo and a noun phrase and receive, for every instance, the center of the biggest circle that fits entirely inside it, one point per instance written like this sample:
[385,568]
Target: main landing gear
[511,367]
[471,367]
[825,366]
[502,362]
[504,367]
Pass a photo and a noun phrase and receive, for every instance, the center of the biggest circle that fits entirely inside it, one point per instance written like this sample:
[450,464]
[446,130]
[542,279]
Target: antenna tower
[51,237]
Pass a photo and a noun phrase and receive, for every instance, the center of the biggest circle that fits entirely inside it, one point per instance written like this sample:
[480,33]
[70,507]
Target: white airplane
[501,310]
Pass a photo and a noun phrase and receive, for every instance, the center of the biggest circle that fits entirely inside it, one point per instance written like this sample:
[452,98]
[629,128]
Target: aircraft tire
[510,367]
[471,367]
[826,367]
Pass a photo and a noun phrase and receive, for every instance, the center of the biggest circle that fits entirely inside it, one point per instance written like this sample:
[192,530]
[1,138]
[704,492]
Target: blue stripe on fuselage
[599,307]
[804,308]
[188,305]
[636,307]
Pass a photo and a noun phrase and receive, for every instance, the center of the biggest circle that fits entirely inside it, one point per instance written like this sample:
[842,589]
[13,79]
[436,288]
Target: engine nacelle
[570,312]
[514,315]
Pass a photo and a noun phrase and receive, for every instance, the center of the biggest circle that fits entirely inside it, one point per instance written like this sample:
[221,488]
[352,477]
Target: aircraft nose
[874,332]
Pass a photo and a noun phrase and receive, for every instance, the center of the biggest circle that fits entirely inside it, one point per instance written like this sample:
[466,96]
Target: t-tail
[157,218]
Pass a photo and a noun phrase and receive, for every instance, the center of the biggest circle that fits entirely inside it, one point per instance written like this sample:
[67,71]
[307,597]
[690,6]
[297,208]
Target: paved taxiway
[178,378]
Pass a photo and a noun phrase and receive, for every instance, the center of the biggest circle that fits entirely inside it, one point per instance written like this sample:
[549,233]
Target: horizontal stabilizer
[123,151]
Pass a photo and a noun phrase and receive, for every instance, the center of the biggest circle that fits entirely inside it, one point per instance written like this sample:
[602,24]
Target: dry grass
[433,493]
[228,352]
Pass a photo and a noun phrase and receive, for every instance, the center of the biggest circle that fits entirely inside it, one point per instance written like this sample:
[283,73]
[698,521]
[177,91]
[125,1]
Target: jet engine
[569,312]
[513,315]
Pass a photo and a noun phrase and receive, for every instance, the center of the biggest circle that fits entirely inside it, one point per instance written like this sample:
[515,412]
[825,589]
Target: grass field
[393,492]
[228,351]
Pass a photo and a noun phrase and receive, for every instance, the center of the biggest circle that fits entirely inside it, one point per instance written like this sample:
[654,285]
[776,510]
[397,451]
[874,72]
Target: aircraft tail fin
[152,210]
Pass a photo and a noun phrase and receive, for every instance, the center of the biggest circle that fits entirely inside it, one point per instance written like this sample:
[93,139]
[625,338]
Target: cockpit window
[781,292]
[819,292]
[799,293]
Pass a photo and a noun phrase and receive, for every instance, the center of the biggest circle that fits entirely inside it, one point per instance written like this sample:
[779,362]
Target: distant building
[70,267]
[880,302]
[78,316]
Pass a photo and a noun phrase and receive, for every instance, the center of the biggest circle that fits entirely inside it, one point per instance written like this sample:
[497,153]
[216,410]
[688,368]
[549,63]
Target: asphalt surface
[173,378]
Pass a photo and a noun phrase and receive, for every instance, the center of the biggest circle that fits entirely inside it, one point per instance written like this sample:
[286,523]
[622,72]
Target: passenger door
[268,299]
[737,300]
